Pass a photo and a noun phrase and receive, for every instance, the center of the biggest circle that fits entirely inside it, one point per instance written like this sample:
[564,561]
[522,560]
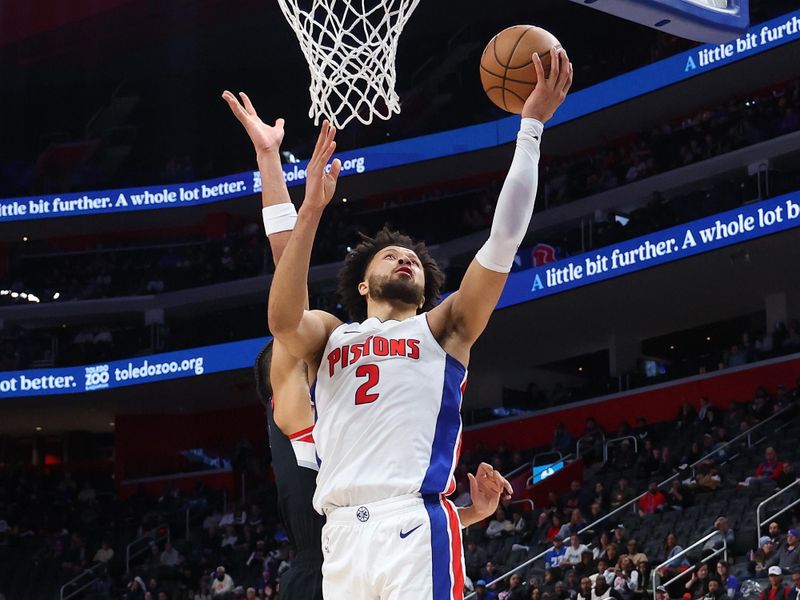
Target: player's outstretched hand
[486,488]
[321,180]
[265,138]
[549,92]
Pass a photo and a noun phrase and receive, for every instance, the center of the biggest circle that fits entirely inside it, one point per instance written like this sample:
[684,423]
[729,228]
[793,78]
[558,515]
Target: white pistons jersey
[388,402]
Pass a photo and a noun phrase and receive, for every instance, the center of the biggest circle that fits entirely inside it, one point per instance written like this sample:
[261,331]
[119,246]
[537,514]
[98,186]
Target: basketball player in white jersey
[282,385]
[388,389]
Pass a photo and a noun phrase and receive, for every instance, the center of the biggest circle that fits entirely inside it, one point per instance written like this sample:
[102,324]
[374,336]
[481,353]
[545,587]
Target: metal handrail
[578,443]
[636,499]
[702,540]
[75,579]
[525,501]
[519,470]
[129,555]
[759,522]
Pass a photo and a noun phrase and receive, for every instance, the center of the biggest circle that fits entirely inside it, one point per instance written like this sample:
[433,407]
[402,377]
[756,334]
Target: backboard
[711,21]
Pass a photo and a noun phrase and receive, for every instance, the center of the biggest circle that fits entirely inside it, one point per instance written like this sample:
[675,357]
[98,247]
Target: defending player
[282,380]
[388,389]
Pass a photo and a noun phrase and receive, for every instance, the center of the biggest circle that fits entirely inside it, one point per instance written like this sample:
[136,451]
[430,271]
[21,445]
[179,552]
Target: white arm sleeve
[515,204]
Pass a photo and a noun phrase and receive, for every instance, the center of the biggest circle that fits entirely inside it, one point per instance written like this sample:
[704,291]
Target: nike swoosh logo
[408,533]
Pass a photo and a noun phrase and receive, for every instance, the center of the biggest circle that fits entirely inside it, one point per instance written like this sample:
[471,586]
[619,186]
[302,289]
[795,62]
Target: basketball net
[350,47]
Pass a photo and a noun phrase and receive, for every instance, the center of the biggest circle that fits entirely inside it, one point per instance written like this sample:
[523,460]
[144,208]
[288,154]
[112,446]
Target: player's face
[395,273]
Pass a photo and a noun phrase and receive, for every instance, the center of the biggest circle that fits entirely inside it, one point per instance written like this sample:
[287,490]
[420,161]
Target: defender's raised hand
[486,488]
[265,138]
[549,92]
[321,179]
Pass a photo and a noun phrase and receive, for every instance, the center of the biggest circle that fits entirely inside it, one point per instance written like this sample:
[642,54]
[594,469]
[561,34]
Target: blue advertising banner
[121,373]
[661,74]
[725,229]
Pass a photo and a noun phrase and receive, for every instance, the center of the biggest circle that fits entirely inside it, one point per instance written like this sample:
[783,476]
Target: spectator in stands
[723,535]
[788,556]
[573,499]
[599,496]
[686,416]
[575,524]
[674,564]
[562,439]
[498,529]
[603,590]
[697,586]
[769,469]
[774,531]
[760,559]
[622,493]
[573,554]
[645,580]
[481,592]
[586,592]
[707,477]
[586,566]
[715,590]
[640,431]
[230,538]
[515,589]
[795,591]
[787,475]
[490,571]
[634,553]
[653,501]
[776,590]
[560,591]
[677,497]
[555,527]
[170,557]
[603,571]
[135,589]
[620,536]
[729,582]
[624,457]
[104,554]
[595,514]
[87,495]
[551,576]
[222,585]
[610,555]
[555,556]
[592,442]
[462,497]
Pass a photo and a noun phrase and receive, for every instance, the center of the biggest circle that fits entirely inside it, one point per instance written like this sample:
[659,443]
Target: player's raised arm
[304,332]
[464,314]
[278,212]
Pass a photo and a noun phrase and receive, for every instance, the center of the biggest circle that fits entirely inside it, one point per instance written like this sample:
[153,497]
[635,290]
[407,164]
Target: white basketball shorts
[403,548]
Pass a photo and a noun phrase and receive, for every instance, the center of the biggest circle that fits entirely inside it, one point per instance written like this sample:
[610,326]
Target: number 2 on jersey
[373,375]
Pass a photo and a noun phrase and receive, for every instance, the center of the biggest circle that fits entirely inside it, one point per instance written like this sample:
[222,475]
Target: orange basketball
[507,70]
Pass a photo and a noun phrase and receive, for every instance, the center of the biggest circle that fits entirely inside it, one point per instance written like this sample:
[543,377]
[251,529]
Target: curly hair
[357,261]
[261,371]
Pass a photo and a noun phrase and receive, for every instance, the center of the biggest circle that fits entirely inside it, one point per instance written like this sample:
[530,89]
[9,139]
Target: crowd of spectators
[617,557]
[112,270]
[64,525]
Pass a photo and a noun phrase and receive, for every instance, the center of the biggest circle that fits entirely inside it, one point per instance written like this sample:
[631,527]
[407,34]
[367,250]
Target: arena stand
[210,528]
[230,247]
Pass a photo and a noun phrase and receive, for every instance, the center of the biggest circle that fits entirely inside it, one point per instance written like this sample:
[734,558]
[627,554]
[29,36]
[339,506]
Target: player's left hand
[320,178]
[486,488]
[550,91]
[265,138]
